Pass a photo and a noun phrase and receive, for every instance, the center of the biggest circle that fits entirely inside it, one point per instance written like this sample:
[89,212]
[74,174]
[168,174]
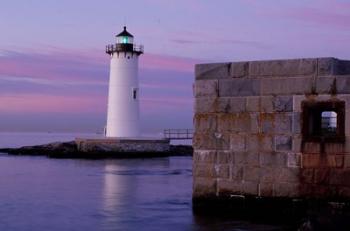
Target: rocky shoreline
[71,150]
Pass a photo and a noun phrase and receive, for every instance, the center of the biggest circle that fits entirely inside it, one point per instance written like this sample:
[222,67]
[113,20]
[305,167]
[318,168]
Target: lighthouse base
[124,146]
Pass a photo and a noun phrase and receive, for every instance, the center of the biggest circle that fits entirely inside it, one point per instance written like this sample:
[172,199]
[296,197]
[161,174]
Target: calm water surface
[37,193]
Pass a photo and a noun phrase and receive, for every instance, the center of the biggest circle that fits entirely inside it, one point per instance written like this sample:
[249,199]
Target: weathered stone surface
[259,134]
[283,123]
[250,188]
[334,148]
[252,173]
[283,143]
[237,143]
[204,170]
[279,68]
[347,123]
[253,104]
[206,88]
[237,172]
[211,141]
[204,141]
[273,159]
[342,67]
[267,122]
[204,187]
[326,66]
[247,158]
[265,189]
[205,105]
[287,86]
[346,99]
[296,122]
[333,66]
[294,160]
[212,71]
[260,143]
[230,105]
[239,87]
[283,104]
[222,171]
[268,174]
[204,156]
[343,85]
[239,69]
[322,176]
[266,104]
[347,161]
[297,99]
[326,85]
[310,160]
[311,147]
[288,175]
[205,123]
[240,122]
[254,123]
[334,161]
[340,177]
[227,187]
[225,157]
[306,175]
[297,144]
[286,189]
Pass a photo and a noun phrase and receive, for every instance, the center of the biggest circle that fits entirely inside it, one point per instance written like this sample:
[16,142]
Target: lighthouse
[123,93]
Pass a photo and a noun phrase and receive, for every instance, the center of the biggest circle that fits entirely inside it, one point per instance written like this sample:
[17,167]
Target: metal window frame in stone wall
[314,109]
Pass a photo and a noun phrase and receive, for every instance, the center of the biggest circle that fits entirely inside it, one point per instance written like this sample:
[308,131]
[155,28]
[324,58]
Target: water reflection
[141,193]
[38,193]
[114,187]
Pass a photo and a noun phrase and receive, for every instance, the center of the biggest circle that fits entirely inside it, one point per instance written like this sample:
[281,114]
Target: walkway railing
[121,47]
[178,134]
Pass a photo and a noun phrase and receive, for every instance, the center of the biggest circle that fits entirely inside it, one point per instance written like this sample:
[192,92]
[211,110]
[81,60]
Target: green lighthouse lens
[125,40]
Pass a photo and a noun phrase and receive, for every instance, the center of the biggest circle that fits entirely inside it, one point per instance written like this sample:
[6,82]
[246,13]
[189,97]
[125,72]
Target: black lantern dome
[125,43]
[125,37]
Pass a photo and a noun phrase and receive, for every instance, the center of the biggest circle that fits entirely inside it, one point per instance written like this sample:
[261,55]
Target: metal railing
[178,134]
[120,47]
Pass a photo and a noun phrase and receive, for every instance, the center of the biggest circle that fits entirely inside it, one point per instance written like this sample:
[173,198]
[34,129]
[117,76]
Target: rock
[70,150]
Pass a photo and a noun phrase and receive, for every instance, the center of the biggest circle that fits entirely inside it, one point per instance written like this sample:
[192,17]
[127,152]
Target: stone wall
[123,145]
[249,130]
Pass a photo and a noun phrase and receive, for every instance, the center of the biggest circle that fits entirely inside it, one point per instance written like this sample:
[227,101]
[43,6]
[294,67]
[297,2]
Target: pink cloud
[70,65]
[74,84]
[162,62]
[37,103]
[321,16]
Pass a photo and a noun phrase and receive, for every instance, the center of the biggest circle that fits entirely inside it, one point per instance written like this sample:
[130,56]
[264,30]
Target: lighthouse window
[134,93]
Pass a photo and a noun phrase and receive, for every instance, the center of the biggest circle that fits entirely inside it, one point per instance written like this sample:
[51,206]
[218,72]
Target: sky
[54,70]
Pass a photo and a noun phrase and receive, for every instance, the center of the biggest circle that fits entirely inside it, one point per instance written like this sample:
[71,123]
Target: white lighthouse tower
[123,95]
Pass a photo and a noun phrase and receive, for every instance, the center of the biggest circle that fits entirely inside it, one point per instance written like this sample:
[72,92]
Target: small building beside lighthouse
[123,94]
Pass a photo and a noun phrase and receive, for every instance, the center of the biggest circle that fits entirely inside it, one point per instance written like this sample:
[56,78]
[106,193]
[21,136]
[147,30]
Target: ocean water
[38,193]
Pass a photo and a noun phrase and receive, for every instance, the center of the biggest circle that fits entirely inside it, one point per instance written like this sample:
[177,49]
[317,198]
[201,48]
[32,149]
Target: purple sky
[54,72]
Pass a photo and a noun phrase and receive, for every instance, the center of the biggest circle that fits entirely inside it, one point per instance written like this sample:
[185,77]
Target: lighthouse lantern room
[123,93]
